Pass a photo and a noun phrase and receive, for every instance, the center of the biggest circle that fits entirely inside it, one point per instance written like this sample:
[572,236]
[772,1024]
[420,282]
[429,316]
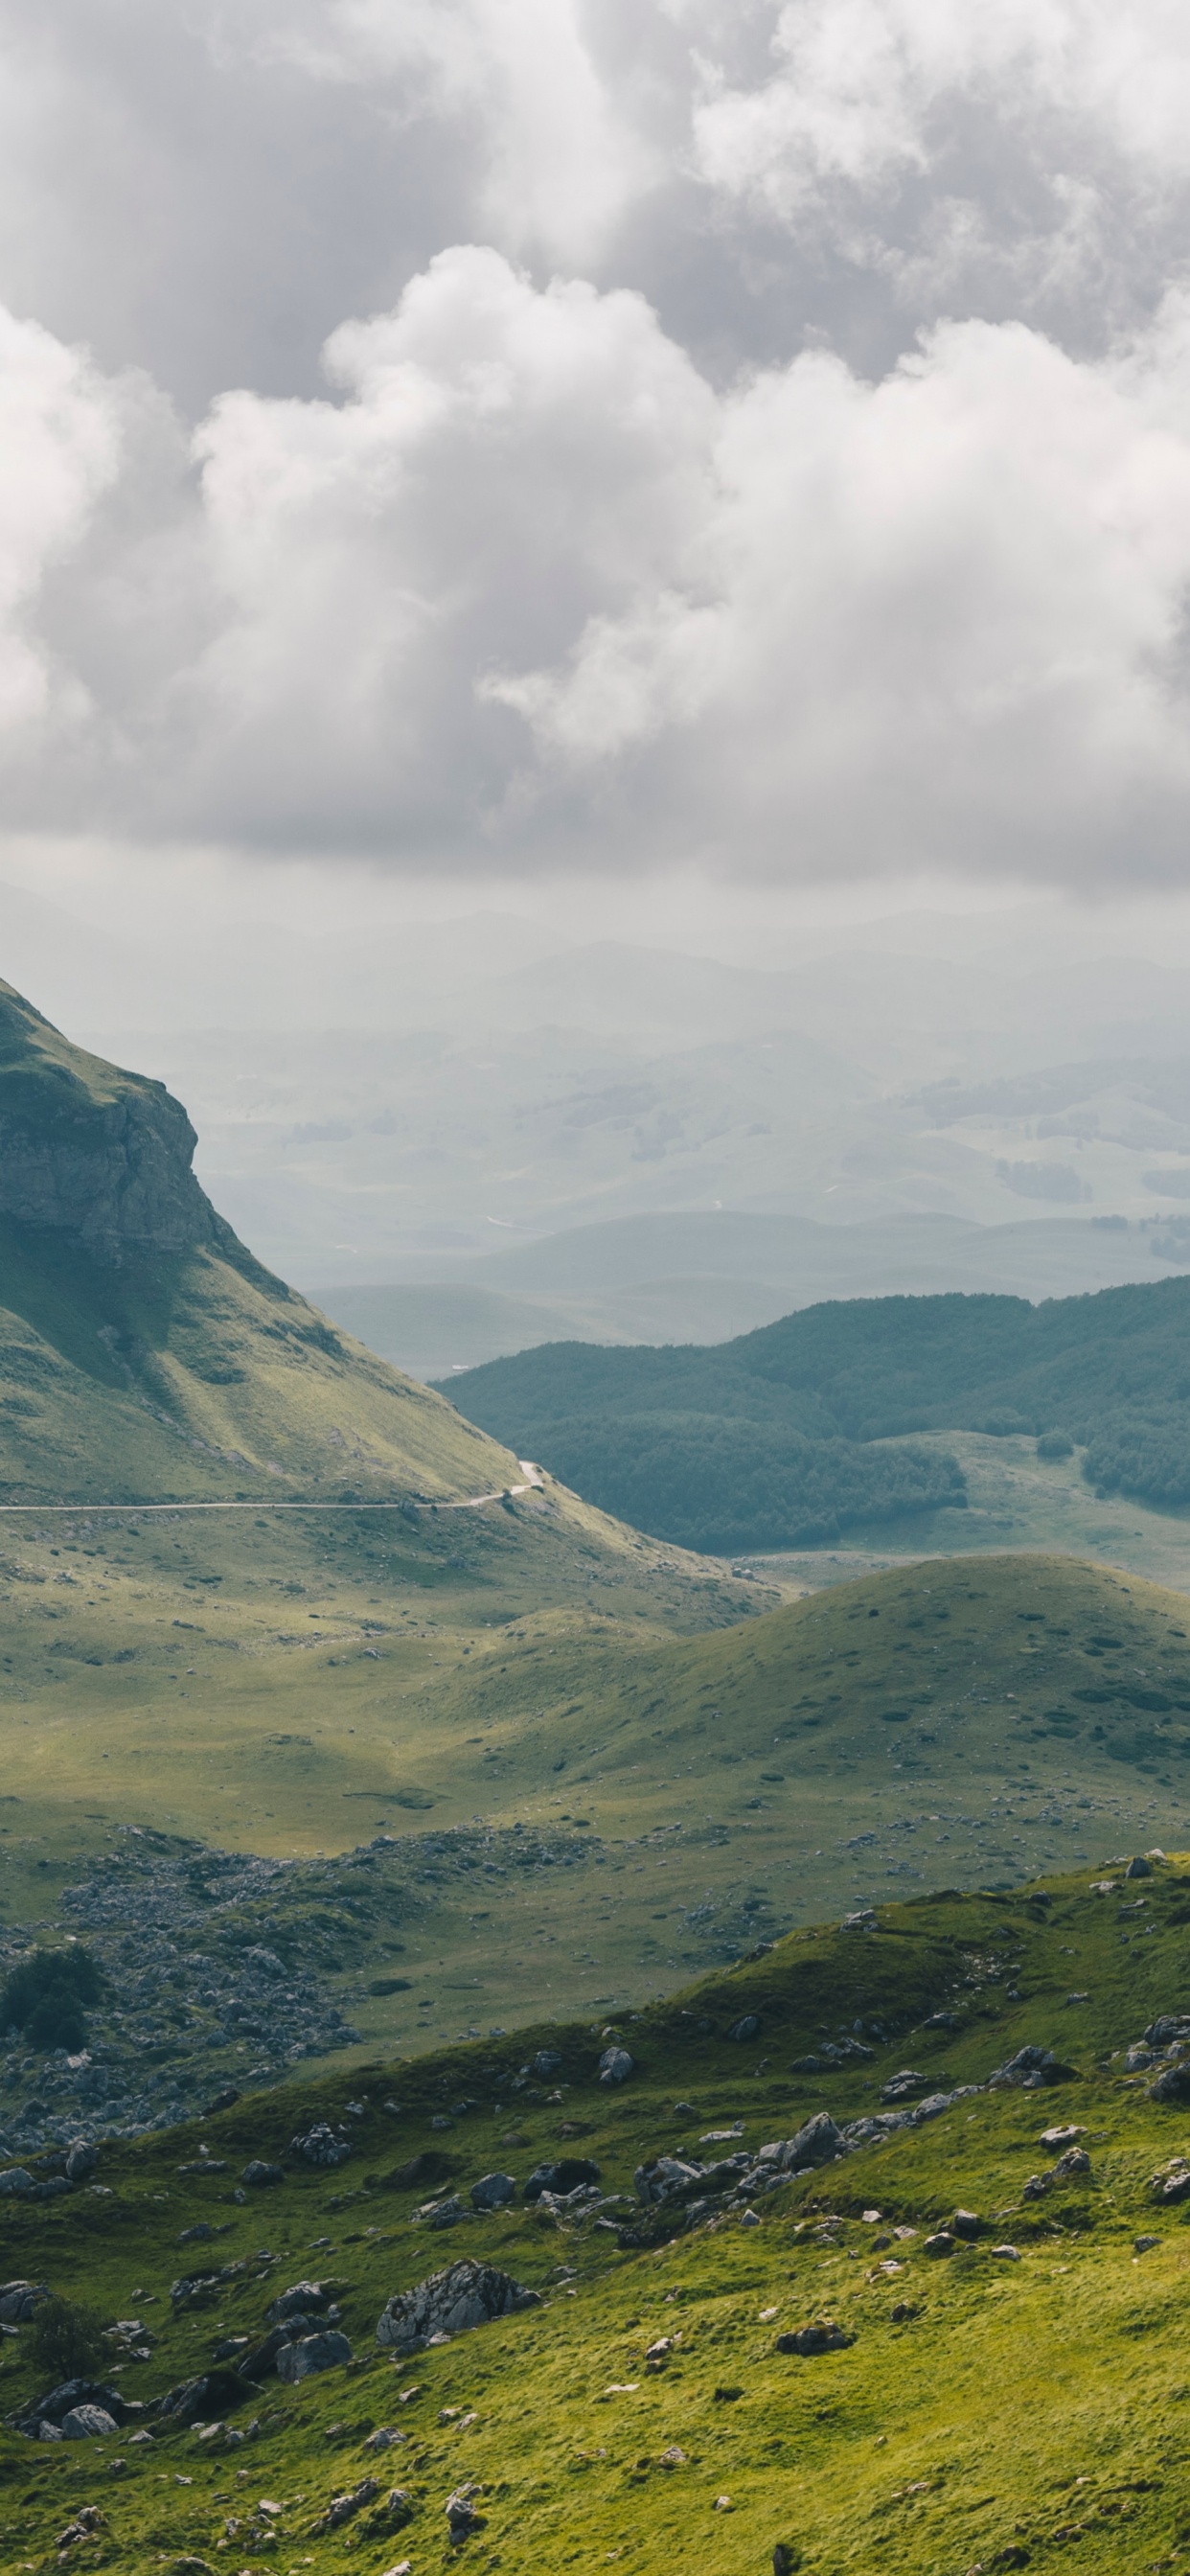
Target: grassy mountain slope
[650,1799]
[787,1435]
[983,2411]
[144,1354]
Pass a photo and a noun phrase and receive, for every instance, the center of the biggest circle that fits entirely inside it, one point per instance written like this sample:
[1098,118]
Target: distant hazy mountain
[797,1432]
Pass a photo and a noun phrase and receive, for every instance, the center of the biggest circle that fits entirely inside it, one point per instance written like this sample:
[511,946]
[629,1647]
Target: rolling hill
[792,1434]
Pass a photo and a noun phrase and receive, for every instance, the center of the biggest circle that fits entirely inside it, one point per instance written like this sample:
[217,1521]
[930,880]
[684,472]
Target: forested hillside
[781,1438]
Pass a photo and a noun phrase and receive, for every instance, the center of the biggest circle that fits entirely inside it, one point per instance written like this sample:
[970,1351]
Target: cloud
[525,589]
[761,439]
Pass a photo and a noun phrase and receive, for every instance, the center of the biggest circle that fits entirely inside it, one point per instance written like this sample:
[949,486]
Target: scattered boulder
[87,2521]
[940,2243]
[615,2066]
[343,2507]
[51,2410]
[81,2160]
[87,2423]
[492,2191]
[16,2183]
[462,2513]
[1057,2139]
[547,2064]
[1037,2186]
[747,2027]
[1172,2182]
[259,2176]
[902,2086]
[1168,2029]
[966,2225]
[1031,2068]
[444,2213]
[200,2400]
[310,2354]
[305,2298]
[824,2336]
[1075,2161]
[818,2142]
[466,2294]
[1138,2057]
[560,2177]
[1139,1867]
[262,2362]
[19,2300]
[320,2146]
[1173,2085]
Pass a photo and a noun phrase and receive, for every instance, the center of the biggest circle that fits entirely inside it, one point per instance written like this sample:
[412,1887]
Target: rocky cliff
[100,1155]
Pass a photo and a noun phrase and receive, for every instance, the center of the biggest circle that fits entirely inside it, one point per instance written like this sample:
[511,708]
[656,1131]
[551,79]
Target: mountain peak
[90,1151]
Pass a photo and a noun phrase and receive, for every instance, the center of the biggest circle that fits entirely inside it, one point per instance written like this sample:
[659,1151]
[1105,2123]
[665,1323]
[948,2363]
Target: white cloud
[527,591]
[860,86]
[60,442]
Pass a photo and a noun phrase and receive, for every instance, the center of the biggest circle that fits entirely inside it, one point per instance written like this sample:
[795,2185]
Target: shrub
[47,1995]
[67,2340]
[1055,1444]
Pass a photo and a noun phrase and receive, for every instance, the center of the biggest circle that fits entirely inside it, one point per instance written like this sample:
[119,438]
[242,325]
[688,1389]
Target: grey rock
[1172,2183]
[1139,1867]
[1037,2186]
[342,2507]
[547,2064]
[1058,2138]
[81,2160]
[493,2191]
[818,2142]
[17,2184]
[87,2423]
[561,2176]
[615,2066]
[451,2302]
[1075,2161]
[902,2086]
[111,1168]
[1031,2068]
[747,2027]
[462,2514]
[303,2298]
[446,2213]
[1138,2057]
[47,2432]
[1144,2244]
[824,2336]
[259,2175]
[201,2400]
[320,2146]
[1006,2253]
[1168,2028]
[942,2242]
[1172,2086]
[19,2300]
[313,2353]
[965,2224]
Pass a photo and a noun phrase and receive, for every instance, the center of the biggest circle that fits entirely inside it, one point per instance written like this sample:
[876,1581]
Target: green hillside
[796,1433]
[1009,2396]
[565,1802]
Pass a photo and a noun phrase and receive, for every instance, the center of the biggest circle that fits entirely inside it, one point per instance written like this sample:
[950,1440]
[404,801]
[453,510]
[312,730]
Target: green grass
[1033,2407]
[333,1676]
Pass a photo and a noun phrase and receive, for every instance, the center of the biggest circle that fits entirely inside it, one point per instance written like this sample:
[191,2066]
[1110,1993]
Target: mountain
[790,1434]
[875,2231]
[144,1353]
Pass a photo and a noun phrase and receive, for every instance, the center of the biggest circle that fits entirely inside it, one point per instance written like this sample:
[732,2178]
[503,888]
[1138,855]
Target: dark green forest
[768,1441]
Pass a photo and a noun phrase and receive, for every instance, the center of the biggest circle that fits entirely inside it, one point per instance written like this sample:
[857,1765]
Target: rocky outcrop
[89,1151]
[450,2303]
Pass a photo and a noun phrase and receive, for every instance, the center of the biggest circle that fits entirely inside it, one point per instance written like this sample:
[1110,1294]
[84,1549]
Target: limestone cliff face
[98,1154]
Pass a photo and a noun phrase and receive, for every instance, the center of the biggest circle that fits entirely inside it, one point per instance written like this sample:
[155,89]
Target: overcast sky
[484,439]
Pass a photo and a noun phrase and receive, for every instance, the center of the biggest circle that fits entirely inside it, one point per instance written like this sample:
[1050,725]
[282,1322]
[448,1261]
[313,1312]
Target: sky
[456,445]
